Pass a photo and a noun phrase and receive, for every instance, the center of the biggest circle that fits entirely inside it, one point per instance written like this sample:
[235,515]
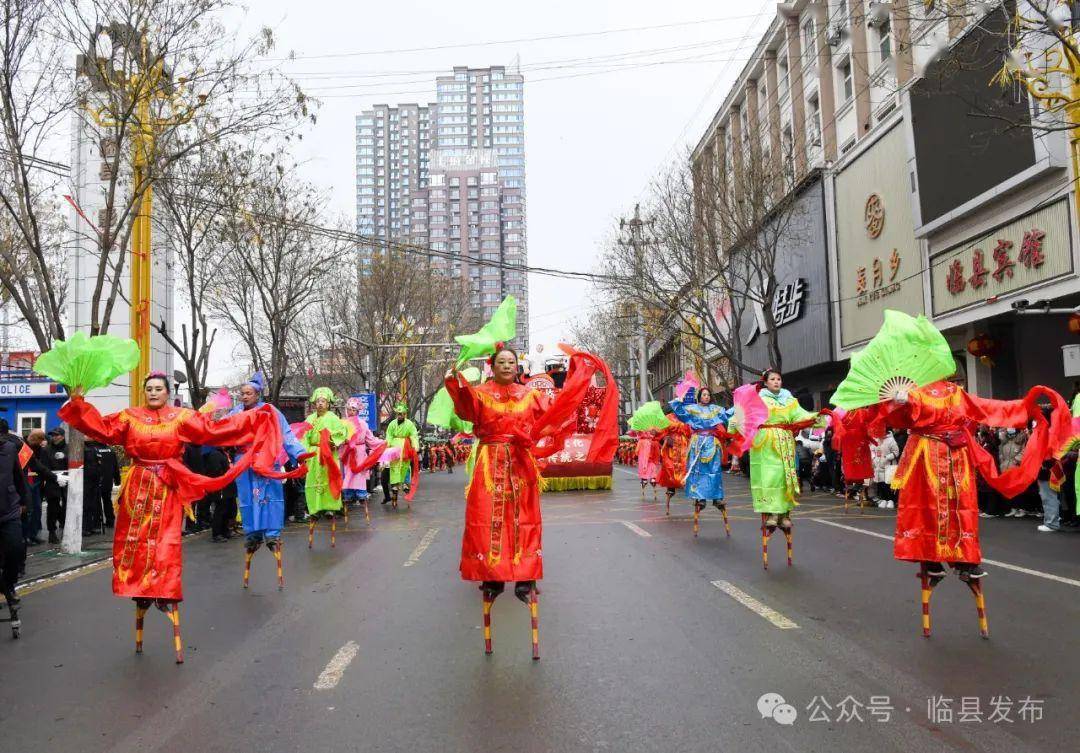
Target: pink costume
[361,441]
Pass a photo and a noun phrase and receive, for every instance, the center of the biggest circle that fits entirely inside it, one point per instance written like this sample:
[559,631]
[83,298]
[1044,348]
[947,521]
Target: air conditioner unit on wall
[834,34]
[878,15]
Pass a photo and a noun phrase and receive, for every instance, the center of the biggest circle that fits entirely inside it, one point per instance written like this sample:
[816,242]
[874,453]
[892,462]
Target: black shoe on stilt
[523,590]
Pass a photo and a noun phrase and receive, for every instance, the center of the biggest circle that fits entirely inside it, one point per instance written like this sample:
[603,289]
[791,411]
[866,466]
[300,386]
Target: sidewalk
[46,560]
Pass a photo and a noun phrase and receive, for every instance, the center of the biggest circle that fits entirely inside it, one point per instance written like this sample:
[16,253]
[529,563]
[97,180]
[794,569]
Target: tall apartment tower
[450,177]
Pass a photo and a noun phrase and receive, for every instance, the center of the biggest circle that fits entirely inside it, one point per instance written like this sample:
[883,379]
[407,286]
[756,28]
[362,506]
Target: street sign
[367,409]
[1071,356]
[30,389]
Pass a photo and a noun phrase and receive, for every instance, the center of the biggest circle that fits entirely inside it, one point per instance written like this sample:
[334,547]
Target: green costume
[396,434]
[774,483]
[317,486]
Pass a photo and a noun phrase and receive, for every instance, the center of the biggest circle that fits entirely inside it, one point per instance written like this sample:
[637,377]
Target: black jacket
[101,466]
[55,458]
[14,490]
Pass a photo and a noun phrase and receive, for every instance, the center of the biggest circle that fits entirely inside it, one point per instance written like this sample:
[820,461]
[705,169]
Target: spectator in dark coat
[101,471]
[14,500]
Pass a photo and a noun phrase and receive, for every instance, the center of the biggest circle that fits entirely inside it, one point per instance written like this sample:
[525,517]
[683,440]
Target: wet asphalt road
[642,651]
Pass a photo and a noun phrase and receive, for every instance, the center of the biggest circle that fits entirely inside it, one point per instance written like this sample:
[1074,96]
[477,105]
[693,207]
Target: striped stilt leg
[653,491]
[764,542]
[787,535]
[140,616]
[248,554]
[333,531]
[178,644]
[488,601]
[367,513]
[727,526]
[697,513]
[280,557]
[310,532]
[345,510]
[668,499]
[534,614]
[926,587]
[980,606]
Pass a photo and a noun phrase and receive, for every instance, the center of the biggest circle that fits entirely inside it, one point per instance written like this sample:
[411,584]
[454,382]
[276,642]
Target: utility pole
[636,240]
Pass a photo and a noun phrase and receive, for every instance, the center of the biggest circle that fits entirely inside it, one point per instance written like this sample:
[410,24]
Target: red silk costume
[850,434]
[938,515]
[503,526]
[147,554]
[673,441]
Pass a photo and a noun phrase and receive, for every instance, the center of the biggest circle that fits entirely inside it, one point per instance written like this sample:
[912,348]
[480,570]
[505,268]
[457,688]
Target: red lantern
[984,347]
[1074,324]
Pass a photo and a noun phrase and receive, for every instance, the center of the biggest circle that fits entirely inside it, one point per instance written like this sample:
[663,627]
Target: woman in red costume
[502,539]
[938,514]
[673,441]
[147,554]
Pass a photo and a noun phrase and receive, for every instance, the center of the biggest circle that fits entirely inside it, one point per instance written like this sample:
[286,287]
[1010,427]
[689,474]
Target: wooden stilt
[279,555]
[697,513]
[248,554]
[980,606]
[140,616]
[367,513]
[311,531]
[345,510]
[178,644]
[333,531]
[488,601]
[926,588]
[764,542]
[787,535]
[727,526]
[668,498]
[534,613]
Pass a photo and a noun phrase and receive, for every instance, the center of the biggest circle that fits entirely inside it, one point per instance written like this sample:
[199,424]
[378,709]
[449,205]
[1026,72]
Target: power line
[519,40]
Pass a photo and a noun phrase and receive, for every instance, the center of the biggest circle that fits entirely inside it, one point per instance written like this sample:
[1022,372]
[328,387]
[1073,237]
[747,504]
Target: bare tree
[711,260]
[277,265]
[390,330]
[193,216]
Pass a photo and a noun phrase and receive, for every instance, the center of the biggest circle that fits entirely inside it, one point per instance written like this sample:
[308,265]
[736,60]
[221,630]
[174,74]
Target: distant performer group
[901,380]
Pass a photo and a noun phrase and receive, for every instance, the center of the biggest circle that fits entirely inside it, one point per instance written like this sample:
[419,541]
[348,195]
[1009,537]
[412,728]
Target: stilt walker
[774,481]
[147,554]
[674,442]
[322,488]
[503,526]
[354,452]
[900,377]
[402,434]
[705,453]
[648,459]
[262,499]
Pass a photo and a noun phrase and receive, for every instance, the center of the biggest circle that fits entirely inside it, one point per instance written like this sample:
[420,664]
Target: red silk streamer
[369,462]
[408,452]
[606,435]
[326,457]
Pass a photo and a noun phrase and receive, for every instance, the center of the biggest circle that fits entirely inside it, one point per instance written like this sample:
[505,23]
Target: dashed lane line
[421,547]
[995,563]
[335,668]
[755,606]
[636,529]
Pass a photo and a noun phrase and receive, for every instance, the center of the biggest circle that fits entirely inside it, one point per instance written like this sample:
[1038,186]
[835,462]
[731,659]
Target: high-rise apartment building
[450,178]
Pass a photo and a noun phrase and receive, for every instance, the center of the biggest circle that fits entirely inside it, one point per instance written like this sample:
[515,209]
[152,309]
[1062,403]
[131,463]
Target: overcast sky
[594,136]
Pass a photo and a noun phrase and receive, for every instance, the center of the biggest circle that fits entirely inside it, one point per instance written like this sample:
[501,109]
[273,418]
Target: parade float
[586,459]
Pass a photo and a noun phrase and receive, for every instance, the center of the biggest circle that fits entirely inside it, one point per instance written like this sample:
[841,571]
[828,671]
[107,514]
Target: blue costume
[704,472]
[261,499]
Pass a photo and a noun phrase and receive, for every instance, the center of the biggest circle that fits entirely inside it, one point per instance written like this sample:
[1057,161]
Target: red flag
[25,453]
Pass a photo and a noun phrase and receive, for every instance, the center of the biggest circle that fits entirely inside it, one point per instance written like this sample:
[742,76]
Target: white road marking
[421,547]
[331,676]
[754,605]
[995,563]
[636,529]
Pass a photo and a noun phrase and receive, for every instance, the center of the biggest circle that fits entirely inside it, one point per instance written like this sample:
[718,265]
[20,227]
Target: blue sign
[368,411]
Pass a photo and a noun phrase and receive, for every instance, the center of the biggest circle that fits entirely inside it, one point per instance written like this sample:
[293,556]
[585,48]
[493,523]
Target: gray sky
[593,141]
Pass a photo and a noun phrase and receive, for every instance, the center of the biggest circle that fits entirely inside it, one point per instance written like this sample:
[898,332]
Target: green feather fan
[88,362]
[649,416]
[906,352]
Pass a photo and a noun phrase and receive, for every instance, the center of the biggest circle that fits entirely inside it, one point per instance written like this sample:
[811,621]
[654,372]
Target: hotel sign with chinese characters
[1028,251]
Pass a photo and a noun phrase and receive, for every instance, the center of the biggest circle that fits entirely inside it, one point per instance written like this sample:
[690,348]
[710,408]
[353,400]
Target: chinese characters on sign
[883,284]
[1031,256]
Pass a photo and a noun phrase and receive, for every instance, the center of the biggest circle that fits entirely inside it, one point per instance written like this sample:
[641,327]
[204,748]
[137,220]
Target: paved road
[647,639]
